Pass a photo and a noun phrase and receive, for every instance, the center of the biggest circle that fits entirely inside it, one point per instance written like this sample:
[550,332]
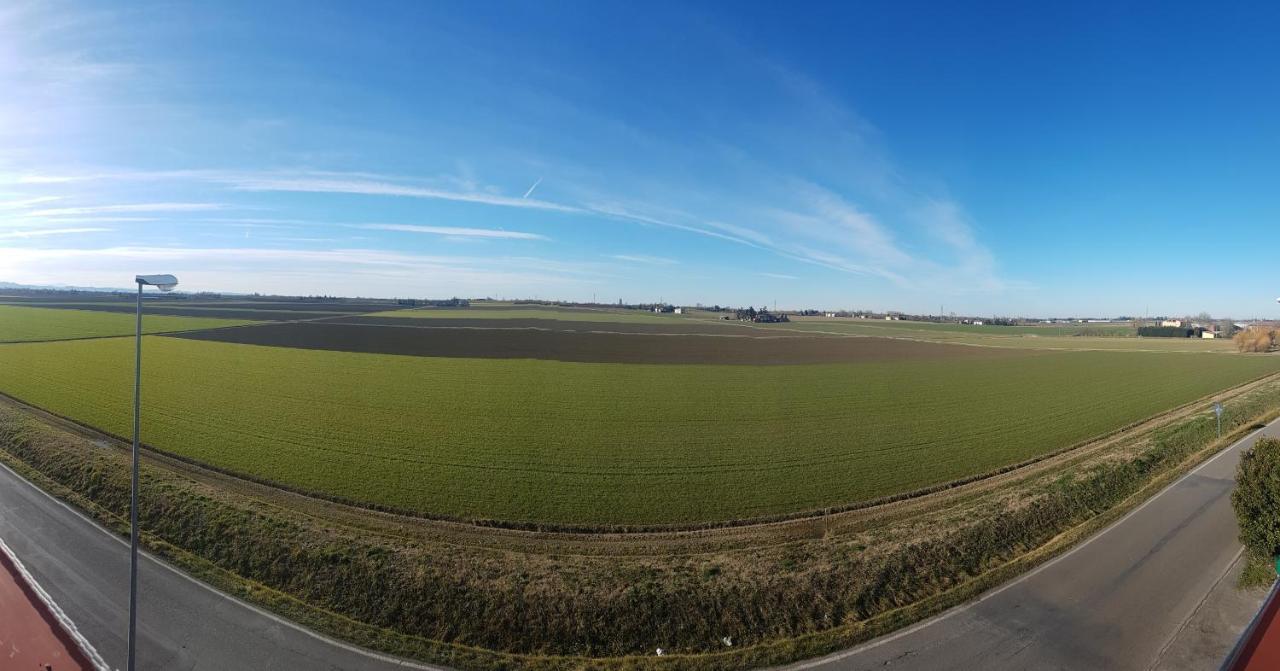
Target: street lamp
[163,283]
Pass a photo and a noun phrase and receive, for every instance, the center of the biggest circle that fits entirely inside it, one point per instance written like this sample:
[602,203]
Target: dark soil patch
[661,327]
[587,347]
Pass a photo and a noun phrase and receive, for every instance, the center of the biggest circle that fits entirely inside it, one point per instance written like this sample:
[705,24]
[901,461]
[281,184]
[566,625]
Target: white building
[1176,323]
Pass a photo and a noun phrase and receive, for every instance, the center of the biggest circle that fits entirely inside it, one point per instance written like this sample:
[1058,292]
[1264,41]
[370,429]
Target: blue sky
[996,158]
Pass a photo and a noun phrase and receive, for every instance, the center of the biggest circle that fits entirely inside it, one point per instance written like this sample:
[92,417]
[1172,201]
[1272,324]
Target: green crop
[603,444]
[29,324]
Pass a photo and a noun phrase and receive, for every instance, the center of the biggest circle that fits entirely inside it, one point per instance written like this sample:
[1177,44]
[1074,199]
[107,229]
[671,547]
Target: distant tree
[1164,332]
[1203,318]
[1256,498]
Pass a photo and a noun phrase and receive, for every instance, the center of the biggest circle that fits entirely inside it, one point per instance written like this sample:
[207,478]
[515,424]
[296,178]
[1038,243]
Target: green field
[529,440]
[1022,337]
[23,324]
[1094,330]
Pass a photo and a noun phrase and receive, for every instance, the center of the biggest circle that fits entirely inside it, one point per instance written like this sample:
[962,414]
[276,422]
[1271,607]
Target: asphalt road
[1113,602]
[183,625]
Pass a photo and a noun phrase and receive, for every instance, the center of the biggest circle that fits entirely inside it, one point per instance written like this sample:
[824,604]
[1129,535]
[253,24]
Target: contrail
[530,191]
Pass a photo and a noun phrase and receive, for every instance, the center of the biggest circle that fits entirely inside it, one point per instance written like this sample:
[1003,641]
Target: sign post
[1217,410]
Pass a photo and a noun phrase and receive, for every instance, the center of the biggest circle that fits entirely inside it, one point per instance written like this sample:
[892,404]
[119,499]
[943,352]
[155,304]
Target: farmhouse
[1175,323]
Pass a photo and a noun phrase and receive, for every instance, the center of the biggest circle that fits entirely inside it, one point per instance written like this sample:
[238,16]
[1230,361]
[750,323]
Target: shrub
[1256,498]
[1255,339]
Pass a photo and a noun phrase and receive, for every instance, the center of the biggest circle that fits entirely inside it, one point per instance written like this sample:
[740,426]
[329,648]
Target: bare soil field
[592,347]
[304,306]
[668,327]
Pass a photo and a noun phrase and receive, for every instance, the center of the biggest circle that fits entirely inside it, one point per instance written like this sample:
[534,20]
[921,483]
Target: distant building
[1208,335]
[1176,323]
[831,314]
[678,311]
[977,322]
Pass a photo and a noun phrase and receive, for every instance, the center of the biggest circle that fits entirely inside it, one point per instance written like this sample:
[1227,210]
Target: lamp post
[163,283]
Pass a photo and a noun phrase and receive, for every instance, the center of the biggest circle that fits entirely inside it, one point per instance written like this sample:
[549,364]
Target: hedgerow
[1256,498]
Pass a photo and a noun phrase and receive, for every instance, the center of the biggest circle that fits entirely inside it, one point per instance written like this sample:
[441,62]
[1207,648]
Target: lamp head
[161,282]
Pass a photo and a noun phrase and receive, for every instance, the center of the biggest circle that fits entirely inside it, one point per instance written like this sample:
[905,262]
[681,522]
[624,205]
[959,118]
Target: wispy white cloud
[383,188]
[253,222]
[43,232]
[642,258]
[132,207]
[42,179]
[717,180]
[26,202]
[454,231]
[347,271]
[625,213]
[27,221]
[778,276]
